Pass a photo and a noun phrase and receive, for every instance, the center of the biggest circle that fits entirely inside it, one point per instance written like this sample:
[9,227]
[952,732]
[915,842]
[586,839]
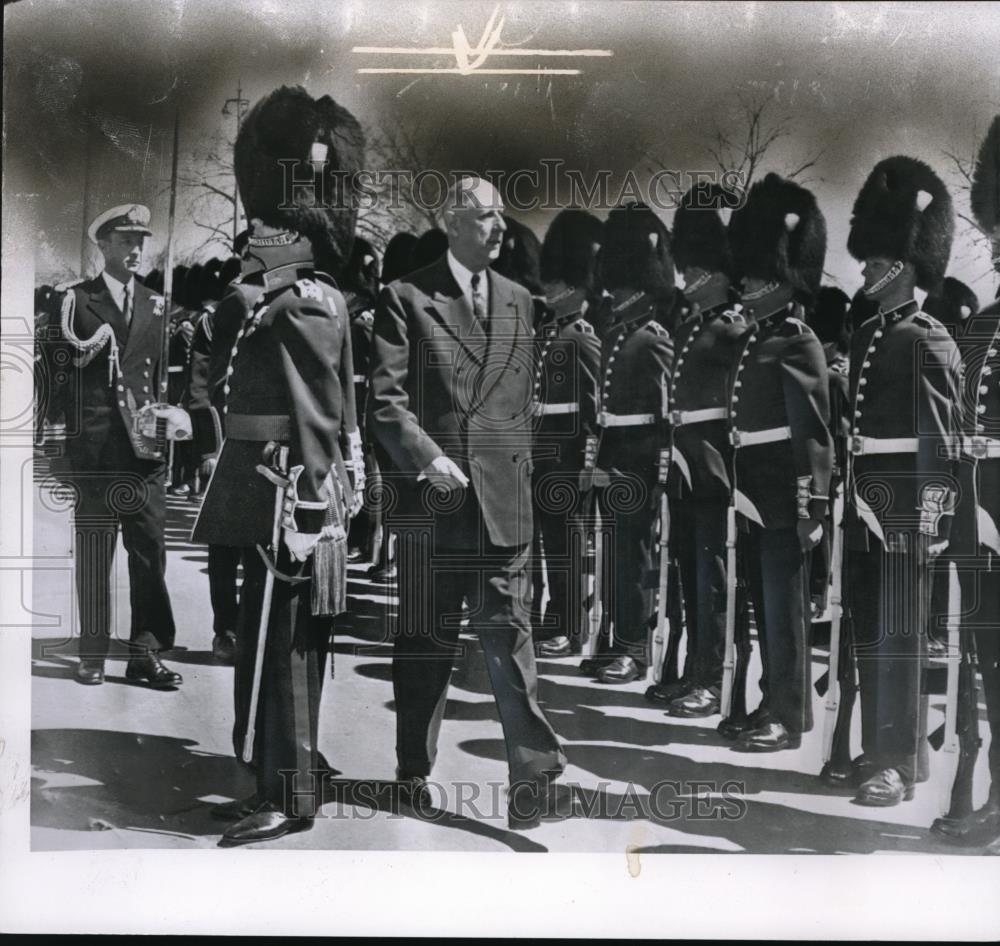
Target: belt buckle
[734,437]
[602,418]
[978,448]
[857,445]
[676,418]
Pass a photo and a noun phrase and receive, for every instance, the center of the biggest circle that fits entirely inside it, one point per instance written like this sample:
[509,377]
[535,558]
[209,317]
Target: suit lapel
[102,305]
[504,329]
[450,307]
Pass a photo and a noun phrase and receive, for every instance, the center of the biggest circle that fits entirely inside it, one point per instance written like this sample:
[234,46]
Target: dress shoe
[732,727]
[591,666]
[851,775]
[771,736]
[382,574]
[151,670]
[413,792]
[354,554]
[235,810]
[265,824]
[663,694]
[622,670]
[90,672]
[883,790]
[528,801]
[181,490]
[556,647]
[976,829]
[224,647]
[700,702]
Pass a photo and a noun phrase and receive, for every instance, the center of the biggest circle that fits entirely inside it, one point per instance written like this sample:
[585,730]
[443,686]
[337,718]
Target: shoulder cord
[90,348]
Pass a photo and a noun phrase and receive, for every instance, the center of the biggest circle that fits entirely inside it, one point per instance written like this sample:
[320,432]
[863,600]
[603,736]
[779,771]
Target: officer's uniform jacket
[701,457]
[111,369]
[637,357]
[206,417]
[290,380]
[567,364]
[976,528]
[779,416]
[904,426]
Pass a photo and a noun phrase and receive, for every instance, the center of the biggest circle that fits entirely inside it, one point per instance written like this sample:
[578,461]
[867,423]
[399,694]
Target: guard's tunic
[108,371]
[361,312]
[779,415]
[701,462]
[290,381]
[565,393]
[633,400]
[905,380]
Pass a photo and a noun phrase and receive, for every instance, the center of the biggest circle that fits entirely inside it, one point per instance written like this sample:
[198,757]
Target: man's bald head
[473,217]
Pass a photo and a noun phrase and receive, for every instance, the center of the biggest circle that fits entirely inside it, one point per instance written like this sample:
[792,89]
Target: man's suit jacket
[443,383]
[98,411]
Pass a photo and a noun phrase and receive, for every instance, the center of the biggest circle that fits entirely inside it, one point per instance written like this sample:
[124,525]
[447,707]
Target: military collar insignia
[900,311]
[773,318]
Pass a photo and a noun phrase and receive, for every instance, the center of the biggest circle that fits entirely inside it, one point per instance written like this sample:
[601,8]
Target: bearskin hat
[828,317]
[360,274]
[519,256]
[430,247]
[953,303]
[569,249]
[628,257]
[904,213]
[985,194]
[779,234]
[290,141]
[700,237]
[396,261]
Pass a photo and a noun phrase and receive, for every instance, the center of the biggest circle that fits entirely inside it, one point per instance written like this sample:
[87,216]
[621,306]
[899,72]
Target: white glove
[300,544]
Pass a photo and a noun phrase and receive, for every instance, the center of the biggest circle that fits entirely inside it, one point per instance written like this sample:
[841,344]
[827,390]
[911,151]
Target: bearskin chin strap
[89,348]
[890,275]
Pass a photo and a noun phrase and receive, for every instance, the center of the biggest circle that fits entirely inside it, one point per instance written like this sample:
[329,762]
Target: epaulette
[308,289]
[66,286]
[928,322]
[206,323]
[583,326]
[841,364]
[800,327]
[653,326]
[732,317]
[364,316]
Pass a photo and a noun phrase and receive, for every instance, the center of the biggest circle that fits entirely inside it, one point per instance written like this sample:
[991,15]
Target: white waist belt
[173,369]
[546,409]
[862,446]
[680,418]
[982,448]
[605,419]
[752,438]
[360,378]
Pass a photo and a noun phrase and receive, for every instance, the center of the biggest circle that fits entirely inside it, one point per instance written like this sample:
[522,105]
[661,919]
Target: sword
[836,619]
[951,741]
[729,657]
[658,637]
[281,462]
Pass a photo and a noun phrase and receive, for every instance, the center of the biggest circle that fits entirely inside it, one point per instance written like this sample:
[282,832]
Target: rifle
[658,648]
[836,618]
[728,660]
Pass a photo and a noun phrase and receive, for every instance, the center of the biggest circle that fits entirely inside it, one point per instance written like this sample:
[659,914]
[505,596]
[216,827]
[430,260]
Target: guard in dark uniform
[111,336]
[979,508]
[902,470]
[566,372]
[359,282]
[779,426]
[290,389]
[636,273]
[707,345]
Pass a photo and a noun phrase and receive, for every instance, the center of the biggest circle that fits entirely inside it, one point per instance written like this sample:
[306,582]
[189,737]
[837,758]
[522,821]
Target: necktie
[478,299]
[127,305]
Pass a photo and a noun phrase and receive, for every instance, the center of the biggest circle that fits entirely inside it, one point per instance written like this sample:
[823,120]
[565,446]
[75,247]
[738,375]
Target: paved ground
[121,766]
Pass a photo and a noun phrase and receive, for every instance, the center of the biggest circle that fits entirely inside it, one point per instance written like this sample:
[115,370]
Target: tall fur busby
[314,194]
[779,234]
[519,256]
[569,250]
[903,212]
[398,256]
[700,237]
[828,317]
[953,304]
[430,247]
[635,252]
[985,194]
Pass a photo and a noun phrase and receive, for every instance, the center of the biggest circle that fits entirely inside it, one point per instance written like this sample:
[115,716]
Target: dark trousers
[630,508]
[285,754]
[778,578]
[136,501]
[889,596]
[560,515]
[495,584]
[698,542]
[223,565]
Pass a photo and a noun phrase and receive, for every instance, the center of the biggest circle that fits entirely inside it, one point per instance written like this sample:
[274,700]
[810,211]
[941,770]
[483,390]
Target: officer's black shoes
[976,829]
[528,800]
[732,727]
[698,703]
[151,671]
[883,790]
[354,554]
[90,672]
[224,647]
[235,810]
[265,824]
[556,647]
[838,775]
[770,736]
[382,574]
[622,670]
[663,694]
[413,792]
[591,666]
[181,490]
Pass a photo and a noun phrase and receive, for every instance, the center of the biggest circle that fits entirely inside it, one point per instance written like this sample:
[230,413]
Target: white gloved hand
[300,544]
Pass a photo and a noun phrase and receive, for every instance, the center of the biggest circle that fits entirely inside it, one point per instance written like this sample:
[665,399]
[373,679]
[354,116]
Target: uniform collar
[280,264]
[770,320]
[117,288]
[632,309]
[564,306]
[900,312]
